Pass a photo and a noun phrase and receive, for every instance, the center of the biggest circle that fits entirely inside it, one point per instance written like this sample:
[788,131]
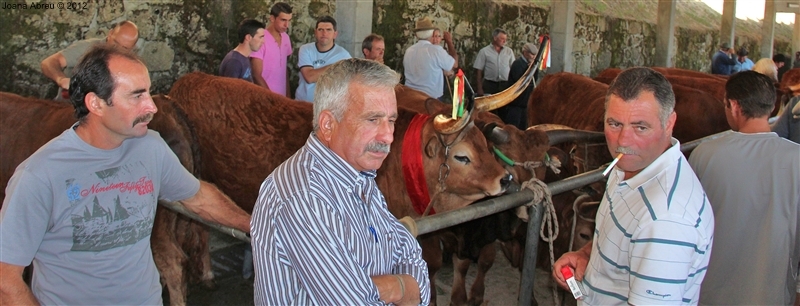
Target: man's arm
[14,291]
[577,260]
[53,68]
[310,74]
[257,66]
[389,287]
[479,80]
[451,48]
[213,205]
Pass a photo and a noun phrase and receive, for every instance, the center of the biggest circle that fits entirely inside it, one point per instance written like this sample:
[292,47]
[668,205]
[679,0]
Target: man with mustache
[322,233]
[752,177]
[654,226]
[82,207]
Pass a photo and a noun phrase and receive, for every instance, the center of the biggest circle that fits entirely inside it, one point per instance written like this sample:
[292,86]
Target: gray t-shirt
[83,216]
[752,184]
[76,50]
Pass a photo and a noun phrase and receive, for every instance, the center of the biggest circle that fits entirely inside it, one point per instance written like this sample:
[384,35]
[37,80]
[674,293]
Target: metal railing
[478,210]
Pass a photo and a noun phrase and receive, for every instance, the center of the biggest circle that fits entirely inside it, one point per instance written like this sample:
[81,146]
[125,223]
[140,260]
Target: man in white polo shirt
[655,226]
[425,63]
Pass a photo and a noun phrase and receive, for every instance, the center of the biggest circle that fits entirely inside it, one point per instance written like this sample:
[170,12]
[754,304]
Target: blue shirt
[321,229]
[722,63]
[310,56]
[236,65]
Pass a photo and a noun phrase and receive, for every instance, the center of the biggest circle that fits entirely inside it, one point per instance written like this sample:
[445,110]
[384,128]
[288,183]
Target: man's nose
[150,105]
[625,136]
[386,132]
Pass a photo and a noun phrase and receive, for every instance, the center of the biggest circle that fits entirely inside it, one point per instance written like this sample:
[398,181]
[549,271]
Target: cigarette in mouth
[613,163]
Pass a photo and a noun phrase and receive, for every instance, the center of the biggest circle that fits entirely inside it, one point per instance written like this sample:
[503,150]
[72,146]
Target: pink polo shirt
[274,57]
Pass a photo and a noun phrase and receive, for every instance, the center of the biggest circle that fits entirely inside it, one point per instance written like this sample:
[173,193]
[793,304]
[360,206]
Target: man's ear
[671,121]
[364,52]
[93,103]
[327,123]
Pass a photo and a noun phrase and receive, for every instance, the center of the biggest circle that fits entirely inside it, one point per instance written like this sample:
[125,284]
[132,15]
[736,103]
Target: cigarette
[613,163]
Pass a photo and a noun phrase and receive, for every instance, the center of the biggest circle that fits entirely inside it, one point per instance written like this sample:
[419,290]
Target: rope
[550,219]
[575,219]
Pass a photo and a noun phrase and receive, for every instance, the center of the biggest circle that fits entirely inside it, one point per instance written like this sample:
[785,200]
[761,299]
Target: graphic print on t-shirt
[111,208]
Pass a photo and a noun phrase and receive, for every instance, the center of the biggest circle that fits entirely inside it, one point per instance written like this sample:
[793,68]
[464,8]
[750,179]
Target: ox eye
[462,159]
[585,237]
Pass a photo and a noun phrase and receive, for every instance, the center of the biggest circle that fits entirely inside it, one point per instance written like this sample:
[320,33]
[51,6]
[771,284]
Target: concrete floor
[502,285]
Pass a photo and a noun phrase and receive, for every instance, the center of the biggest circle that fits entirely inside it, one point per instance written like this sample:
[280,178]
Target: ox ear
[588,210]
[431,147]
[433,106]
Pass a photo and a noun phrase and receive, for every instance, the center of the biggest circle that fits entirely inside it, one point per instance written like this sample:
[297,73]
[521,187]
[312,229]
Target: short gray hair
[498,31]
[631,82]
[333,86]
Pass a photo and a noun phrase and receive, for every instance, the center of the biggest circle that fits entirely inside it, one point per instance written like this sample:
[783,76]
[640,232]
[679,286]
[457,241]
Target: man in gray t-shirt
[58,67]
[81,208]
[751,177]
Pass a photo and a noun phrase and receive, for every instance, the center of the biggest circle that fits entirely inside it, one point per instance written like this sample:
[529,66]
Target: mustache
[625,150]
[145,118]
[377,146]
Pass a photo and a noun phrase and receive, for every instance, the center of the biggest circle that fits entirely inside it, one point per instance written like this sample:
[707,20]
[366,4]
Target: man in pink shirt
[269,62]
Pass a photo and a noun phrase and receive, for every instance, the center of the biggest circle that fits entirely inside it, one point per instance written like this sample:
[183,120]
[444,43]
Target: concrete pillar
[665,33]
[795,36]
[768,29]
[728,28]
[563,31]
[353,22]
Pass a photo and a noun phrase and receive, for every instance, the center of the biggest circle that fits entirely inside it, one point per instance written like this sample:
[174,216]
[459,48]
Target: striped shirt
[653,237]
[321,229]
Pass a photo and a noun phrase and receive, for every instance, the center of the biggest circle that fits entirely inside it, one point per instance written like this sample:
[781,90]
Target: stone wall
[181,36]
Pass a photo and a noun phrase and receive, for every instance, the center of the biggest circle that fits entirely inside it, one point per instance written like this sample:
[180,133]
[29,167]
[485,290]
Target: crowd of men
[719,228]
[727,61]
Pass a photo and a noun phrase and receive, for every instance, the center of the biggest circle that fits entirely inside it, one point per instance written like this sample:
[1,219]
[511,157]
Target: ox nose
[505,182]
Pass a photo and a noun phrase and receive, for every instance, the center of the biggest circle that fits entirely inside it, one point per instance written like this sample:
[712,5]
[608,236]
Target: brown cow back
[244,131]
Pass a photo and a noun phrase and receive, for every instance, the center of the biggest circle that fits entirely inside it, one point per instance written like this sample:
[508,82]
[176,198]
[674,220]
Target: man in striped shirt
[322,233]
[655,225]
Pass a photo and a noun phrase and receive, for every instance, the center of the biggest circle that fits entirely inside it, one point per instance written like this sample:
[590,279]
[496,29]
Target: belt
[496,82]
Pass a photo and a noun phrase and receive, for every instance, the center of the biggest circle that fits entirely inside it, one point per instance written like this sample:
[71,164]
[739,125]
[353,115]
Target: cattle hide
[27,123]
[245,131]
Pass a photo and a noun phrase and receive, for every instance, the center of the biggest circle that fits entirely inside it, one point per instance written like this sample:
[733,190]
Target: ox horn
[447,126]
[503,98]
[560,134]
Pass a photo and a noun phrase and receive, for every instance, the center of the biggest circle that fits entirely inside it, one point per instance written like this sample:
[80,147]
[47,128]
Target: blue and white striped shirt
[653,237]
[321,229]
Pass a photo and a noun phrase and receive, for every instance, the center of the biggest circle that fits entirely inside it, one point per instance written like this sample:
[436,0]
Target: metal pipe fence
[478,210]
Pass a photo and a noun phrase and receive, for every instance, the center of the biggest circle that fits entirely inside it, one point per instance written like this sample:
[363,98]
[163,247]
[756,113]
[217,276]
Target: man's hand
[63,82]
[399,289]
[577,260]
[447,37]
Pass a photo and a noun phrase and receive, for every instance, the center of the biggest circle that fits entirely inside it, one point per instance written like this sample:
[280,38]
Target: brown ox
[709,83]
[177,242]
[474,240]
[579,102]
[243,139]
